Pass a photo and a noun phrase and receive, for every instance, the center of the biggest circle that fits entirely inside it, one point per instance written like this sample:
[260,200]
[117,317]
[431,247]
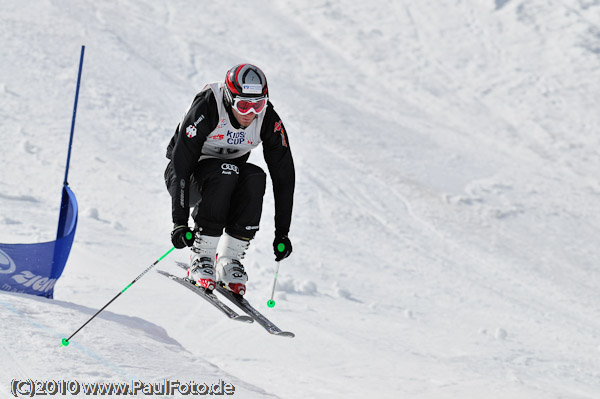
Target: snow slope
[126,349]
[447,218]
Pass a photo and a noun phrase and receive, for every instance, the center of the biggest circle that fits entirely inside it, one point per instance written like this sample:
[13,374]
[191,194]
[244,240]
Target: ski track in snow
[446,220]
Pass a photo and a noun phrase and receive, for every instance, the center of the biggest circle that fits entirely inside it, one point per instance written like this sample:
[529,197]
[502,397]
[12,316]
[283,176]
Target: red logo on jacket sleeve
[279,128]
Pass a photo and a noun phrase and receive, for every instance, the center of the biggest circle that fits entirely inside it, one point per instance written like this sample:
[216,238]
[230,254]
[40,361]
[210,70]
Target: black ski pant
[226,195]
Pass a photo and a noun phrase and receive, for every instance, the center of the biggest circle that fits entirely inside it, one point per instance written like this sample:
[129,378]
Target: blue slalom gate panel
[35,268]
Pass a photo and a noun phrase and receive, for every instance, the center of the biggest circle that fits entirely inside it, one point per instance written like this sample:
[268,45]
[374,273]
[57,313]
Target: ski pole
[271,302]
[65,341]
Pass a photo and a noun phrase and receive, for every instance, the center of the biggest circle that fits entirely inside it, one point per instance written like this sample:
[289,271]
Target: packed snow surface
[446,224]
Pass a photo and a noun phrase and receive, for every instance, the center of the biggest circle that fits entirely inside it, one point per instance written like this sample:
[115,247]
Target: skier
[208,170]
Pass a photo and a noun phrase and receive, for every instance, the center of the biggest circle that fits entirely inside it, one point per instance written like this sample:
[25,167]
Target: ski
[209,296]
[245,306]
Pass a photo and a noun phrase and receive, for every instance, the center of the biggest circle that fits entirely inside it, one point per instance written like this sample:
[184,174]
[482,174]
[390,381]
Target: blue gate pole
[64,204]
[74,114]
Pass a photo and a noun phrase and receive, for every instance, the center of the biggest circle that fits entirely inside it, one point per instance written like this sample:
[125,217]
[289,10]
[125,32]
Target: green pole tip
[281,247]
[188,235]
[65,342]
[271,303]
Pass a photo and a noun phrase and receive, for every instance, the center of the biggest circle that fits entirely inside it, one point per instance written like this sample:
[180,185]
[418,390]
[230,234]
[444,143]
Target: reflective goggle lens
[251,105]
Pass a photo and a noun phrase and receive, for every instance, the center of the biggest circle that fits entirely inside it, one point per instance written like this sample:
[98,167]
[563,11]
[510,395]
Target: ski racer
[208,170]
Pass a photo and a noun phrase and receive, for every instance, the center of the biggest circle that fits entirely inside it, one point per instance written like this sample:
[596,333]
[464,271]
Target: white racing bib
[227,142]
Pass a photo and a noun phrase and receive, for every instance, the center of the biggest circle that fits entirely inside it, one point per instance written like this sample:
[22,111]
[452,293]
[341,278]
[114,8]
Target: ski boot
[230,270]
[202,270]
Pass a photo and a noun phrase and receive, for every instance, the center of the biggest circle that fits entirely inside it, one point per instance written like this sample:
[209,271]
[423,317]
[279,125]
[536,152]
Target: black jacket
[184,153]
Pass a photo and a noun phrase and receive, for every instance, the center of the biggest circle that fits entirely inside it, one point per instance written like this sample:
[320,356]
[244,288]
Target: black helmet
[245,80]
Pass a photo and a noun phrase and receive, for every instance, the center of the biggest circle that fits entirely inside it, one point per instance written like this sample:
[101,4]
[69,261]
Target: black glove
[282,247]
[182,236]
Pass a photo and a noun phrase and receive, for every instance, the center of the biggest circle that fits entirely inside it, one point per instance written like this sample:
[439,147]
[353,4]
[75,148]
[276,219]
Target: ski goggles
[246,105]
